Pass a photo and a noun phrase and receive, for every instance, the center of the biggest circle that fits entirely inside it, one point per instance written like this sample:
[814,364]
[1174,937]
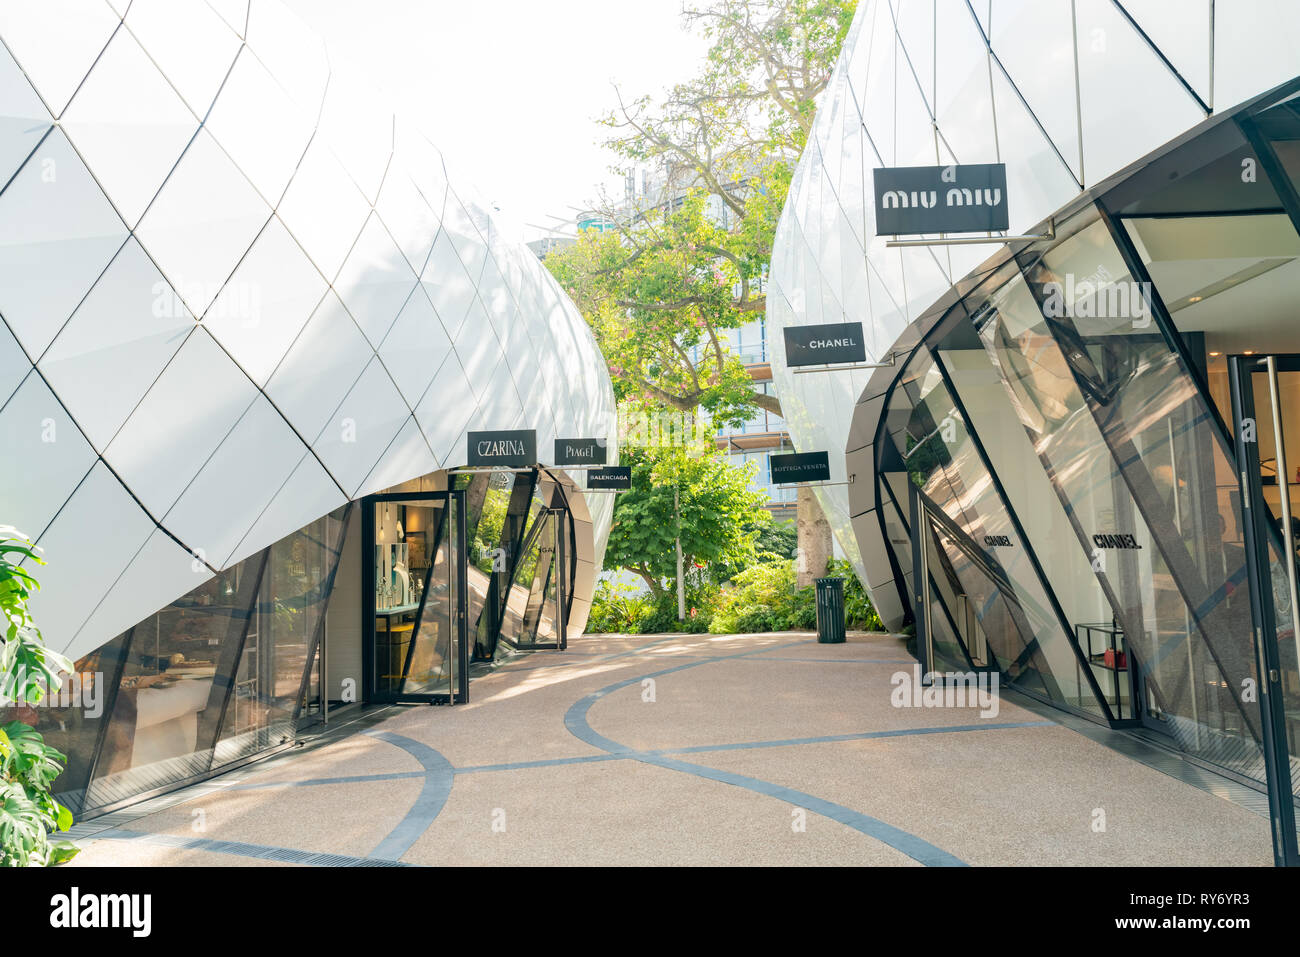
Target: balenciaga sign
[800,467]
[510,449]
[615,478]
[579,451]
[941,199]
[819,345]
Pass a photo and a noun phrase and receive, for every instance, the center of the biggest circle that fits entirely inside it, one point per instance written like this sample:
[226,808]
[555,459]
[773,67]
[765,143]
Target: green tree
[28,766]
[777,538]
[686,263]
[702,498]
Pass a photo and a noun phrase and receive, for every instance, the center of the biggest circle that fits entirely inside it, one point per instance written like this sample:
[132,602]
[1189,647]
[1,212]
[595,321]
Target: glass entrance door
[541,573]
[414,593]
[1266,423]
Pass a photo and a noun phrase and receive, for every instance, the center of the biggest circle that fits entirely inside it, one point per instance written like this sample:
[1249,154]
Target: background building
[240,300]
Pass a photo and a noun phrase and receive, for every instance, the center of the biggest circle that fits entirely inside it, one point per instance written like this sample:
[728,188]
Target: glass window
[979,542]
[1095,384]
[72,719]
[168,705]
[270,684]
[413,621]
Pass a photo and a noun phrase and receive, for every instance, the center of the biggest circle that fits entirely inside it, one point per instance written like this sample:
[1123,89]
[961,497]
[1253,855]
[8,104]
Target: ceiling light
[1193,298]
[1215,353]
[1250,352]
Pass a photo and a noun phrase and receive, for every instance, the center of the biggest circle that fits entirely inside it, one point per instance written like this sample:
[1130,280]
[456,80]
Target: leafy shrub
[28,766]
[859,613]
[617,609]
[755,620]
[803,610]
[661,619]
[761,598]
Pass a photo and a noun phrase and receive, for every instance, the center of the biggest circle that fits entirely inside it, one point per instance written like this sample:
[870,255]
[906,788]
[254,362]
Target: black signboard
[941,199]
[509,449]
[615,477]
[818,345]
[579,451]
[800,467]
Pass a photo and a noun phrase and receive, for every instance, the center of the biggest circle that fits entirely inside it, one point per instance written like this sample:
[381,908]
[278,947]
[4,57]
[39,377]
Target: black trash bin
[830,611]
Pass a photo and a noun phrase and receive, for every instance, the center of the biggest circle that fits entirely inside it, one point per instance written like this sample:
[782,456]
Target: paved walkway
[697,749]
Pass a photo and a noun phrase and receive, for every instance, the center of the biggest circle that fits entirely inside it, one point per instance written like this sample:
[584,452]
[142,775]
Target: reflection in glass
[215,676]
[411,596]
[1086,369]
[989,566]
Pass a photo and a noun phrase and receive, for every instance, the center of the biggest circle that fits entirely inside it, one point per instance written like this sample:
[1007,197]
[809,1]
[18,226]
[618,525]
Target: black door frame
[1261,530]
[453,499]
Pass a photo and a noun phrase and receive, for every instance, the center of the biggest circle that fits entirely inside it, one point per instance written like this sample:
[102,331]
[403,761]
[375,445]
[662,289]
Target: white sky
[509,90]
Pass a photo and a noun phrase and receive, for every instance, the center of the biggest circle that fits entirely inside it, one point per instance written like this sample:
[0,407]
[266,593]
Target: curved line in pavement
[920,850]
[438,778]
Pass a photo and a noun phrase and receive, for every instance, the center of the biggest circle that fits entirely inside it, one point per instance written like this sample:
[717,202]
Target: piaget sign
[580,452]
[822,344]
[941,199]
[509,449]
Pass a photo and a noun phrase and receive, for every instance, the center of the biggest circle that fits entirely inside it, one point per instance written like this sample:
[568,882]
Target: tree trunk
[814,538]
[655,586]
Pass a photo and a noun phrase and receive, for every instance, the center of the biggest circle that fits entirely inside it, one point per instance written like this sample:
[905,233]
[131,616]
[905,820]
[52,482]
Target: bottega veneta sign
[579,451]
[801,467]
[819,345]
[510,449]
[941,199]
[616,478]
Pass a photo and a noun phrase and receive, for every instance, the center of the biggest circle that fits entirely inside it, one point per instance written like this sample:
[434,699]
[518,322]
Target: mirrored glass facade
[1055,465]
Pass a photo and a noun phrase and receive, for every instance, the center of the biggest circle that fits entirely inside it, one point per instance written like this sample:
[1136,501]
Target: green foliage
[28,812]
[765,598]
[487,532]
[617,609]
[761,598]
[28,767]
[716,513]
[779,538]
[27,667]
[859,613]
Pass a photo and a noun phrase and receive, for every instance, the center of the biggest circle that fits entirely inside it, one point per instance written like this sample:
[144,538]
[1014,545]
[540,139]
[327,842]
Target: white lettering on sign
[578,451]
[830,343]
[501,447]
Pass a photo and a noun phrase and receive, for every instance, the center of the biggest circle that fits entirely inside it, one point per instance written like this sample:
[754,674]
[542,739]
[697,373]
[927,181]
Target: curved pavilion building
[246,327]
[1078,463]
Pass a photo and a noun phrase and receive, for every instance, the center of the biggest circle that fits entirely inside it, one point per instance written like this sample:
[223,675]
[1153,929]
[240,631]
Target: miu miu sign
[941,199]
